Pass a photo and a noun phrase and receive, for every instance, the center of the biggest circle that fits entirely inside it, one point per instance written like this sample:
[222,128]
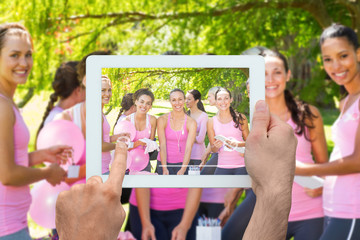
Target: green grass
[33,112]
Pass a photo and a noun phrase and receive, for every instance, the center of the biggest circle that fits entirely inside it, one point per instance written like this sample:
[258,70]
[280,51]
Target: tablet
[94,67]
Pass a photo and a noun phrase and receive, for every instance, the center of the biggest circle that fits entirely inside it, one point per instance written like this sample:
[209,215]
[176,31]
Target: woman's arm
[106,146]
[12,174]
[191,206]
[318,146]
[215,144]
[161,125]
[346,165]
[200,138]
[143,202]
[56,154]
[245,127]
[153,122]
[191,127]
[317,137]
[205,155]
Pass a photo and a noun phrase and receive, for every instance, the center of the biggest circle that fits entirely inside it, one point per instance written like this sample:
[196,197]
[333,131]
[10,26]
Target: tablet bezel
[94,66]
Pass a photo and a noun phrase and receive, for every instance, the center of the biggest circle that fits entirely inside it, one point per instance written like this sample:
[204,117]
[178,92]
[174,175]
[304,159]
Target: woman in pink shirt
[233,126]
[15,172]
[197,112]
[127,107]
[144,124]
[177,133]
[168,213]
[107,140]
[341,198]
[306,214]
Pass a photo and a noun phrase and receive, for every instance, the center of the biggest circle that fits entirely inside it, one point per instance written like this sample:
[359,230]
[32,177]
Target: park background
[64,30]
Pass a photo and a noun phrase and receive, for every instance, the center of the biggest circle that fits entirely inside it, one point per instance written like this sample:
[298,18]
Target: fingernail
[260,106]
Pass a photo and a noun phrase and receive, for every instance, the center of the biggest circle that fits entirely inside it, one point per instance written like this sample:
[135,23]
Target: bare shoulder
[190,120]
[152,119]
[7,112]
[243,116]
[342,104]
[162,119]
[243,119]
[210,122]
[316,121]
[315,111]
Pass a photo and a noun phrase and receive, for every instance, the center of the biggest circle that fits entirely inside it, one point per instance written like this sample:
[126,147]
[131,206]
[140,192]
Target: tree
[64,30]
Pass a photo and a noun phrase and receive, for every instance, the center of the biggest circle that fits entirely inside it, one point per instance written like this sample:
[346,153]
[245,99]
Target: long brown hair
[236,116]
[64,84]
[300,110]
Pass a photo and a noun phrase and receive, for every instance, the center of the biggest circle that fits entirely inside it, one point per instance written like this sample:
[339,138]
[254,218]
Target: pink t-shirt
[302,206]
[342,193]
[199,145]
[164,199]
[167,199]
[105,156]
[227,157]
[15,201]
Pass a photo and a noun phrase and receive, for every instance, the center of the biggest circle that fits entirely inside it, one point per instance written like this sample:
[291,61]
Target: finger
[118,168]
[63,148]
[261,120]
[94,180]
[174,235]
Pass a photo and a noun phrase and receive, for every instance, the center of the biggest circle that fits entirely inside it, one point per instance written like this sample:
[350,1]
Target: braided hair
[126,103]
[64,84]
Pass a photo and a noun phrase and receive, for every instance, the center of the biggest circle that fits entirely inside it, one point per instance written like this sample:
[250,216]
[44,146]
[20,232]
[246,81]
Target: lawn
[33,112]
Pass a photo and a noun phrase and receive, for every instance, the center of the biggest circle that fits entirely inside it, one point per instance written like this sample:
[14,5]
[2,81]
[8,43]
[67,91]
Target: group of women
[170,213]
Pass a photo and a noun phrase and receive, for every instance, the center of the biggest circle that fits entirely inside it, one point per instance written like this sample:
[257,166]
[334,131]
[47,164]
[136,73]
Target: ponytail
[300,112]
[126,103]
[237,117]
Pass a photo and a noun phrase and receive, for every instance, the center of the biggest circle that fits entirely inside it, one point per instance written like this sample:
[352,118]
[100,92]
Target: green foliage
[162,80]
[68,30]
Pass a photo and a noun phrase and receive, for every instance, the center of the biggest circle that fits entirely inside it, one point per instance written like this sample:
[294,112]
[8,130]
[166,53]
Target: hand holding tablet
[94,204]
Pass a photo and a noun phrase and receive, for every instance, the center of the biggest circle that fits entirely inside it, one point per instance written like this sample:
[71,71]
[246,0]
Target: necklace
[178,136]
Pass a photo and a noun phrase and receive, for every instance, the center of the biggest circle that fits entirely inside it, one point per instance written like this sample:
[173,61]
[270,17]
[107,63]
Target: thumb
[261,119]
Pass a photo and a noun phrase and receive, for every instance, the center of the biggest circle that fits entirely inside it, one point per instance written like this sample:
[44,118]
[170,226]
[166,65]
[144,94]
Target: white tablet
[94,67]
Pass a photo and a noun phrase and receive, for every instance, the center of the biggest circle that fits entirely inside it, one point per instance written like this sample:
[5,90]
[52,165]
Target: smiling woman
[15,173]
[341,55]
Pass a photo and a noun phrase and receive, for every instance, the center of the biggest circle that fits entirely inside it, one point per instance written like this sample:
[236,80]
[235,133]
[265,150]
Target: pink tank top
[167,199]
[175,142]
[227,157]
[302,206]
[342,193]
[144,133]
[15,201]
[199,145]
[105,156]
